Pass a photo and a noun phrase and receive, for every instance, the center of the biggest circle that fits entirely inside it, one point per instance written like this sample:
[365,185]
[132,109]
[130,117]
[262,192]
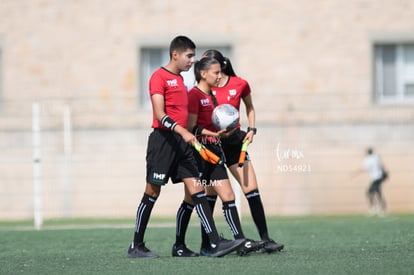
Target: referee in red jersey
[214,176]
[169,152]
[233,89]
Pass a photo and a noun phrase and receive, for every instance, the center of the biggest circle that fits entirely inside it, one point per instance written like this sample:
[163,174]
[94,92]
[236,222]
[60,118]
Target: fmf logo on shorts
[157,176]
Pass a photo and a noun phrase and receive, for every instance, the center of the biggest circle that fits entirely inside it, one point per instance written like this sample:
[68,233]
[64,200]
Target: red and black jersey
[235,89]
[232,93]
[172,87]
[202,105]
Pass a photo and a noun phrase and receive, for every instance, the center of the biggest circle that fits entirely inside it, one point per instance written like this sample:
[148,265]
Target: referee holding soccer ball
[202,104]
[233,89]
[169,151]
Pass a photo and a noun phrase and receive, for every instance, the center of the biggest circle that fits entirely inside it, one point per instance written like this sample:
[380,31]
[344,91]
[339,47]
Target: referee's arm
[158,107]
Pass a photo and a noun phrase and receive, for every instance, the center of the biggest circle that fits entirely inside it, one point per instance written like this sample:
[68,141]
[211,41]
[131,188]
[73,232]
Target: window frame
[378,45]
[144,72]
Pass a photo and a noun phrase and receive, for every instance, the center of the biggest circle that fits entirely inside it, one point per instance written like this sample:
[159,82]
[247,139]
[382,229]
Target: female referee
[232,89]
[201,104]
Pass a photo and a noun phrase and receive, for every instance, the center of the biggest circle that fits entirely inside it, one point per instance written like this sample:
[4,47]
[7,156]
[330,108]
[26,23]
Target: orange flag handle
[206,154]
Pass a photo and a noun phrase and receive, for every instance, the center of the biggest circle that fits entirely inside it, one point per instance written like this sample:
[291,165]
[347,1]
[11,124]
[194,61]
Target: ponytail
[225,63]
[228,68]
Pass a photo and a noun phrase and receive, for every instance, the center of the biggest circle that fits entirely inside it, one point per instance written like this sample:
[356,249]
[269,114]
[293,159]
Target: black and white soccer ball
[225,116]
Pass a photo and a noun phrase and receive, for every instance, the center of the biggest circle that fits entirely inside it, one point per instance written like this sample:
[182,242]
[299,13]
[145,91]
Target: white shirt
[373,166]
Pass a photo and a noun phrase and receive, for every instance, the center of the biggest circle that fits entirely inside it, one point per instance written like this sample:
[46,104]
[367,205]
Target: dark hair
[202,65]
[181,43]
[370,151]
[225,63]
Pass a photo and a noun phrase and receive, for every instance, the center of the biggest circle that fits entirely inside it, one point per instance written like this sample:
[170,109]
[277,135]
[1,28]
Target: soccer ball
[225,116]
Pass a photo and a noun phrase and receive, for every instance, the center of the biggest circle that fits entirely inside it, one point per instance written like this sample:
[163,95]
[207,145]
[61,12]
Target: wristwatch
[252,129]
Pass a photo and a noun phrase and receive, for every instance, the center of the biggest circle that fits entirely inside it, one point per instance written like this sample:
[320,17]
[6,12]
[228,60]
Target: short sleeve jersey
[172,87]
[235,89]
[372,164]
[202,105]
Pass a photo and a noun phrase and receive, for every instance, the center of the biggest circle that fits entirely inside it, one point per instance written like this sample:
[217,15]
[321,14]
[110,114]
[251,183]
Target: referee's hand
[185,134]
[189,138]
[249,136]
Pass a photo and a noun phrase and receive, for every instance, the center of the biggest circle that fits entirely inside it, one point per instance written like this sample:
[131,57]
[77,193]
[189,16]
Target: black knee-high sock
[232,218]
[205,242]
[182,220]
[143,215]
[206,216]
[258,214]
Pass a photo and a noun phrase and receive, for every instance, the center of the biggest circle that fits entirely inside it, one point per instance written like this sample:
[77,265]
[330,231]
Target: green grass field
[314,245]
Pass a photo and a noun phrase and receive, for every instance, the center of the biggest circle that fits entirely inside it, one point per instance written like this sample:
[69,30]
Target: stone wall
[300,169]
[309,64]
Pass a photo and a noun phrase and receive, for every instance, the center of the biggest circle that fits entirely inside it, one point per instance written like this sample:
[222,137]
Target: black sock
[206,217]
[232,218]
[182,220]
[258,214]
[143,215]
[205,242]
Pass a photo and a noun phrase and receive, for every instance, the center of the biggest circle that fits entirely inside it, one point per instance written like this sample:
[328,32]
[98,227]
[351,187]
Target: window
[154,57]
[394,72]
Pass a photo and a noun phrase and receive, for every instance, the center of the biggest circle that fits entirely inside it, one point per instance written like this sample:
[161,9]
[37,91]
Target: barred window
[151,58]
[394,73]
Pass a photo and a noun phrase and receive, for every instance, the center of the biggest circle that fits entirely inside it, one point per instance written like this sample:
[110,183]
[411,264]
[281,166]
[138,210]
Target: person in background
[373,166]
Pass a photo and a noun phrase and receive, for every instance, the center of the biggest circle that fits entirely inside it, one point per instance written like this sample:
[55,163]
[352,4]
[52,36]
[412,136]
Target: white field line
[96,226]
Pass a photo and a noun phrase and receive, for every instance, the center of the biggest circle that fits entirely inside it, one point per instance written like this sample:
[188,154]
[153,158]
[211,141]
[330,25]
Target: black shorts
[210,173]
[169,156]
[232,146]
[375,186]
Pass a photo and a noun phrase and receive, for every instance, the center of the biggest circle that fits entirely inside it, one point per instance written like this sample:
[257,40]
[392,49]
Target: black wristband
[168,122]
[197,130]
[252,129]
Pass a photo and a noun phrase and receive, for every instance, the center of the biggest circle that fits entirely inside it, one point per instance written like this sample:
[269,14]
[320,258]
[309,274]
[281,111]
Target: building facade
[329,79]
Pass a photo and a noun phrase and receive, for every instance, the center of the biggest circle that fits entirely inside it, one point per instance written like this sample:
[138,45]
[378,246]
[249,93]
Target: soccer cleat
[182,251]
[249,246]
[224,247]
[271,246]
[205,251]
[140,251]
